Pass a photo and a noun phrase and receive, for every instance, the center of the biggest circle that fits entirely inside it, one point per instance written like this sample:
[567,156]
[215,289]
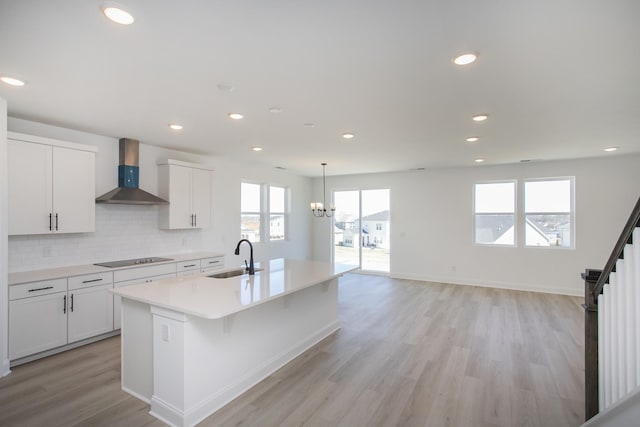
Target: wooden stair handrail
[625,237]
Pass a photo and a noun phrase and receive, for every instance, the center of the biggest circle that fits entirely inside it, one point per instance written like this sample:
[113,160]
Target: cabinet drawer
[144,280]
[90,280]
[33,289]
[188,273]
[141,272]
[212,263]
[188,265]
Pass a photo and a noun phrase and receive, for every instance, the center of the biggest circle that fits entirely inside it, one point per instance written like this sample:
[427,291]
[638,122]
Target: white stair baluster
[613,331]
[630,322]
[621,326]
[603,360]
[636,281]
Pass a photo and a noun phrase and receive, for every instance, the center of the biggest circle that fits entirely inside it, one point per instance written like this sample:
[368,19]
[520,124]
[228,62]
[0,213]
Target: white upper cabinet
[51,186]
[187,187]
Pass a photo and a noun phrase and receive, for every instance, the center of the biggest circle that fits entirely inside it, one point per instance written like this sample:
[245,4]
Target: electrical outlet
[165,333]
[47,251]
[454,268]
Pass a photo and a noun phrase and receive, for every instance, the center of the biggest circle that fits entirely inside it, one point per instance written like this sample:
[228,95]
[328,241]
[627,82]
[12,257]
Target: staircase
[612,324]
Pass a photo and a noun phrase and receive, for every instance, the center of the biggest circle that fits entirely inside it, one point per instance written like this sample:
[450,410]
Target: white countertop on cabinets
[212,298]
[79,270]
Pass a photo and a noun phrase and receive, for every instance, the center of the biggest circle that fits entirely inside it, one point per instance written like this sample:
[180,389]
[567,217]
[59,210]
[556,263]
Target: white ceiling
[559,79]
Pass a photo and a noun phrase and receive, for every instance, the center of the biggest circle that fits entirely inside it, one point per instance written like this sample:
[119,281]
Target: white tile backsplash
[122,232]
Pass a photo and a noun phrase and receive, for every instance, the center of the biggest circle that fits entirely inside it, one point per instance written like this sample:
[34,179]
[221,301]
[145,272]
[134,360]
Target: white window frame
[259,214]
[514,213]
[572,213]
[285,213]
[264,214]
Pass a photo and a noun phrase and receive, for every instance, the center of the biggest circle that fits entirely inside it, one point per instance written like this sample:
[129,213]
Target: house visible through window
[261,203]
[250,217]
[277,213]
[494,209]
[547,219]
[548,212]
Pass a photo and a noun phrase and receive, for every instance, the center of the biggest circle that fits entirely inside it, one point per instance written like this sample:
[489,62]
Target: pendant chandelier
[319,209]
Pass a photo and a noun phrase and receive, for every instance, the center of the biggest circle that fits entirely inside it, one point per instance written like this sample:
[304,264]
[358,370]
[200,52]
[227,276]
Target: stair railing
[595,282]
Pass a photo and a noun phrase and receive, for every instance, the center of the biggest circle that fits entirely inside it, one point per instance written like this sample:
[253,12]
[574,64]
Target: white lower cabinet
[135,276]
[52,314]
[188,268]
[90,312]
[49,314]
[37,324]
[210,265]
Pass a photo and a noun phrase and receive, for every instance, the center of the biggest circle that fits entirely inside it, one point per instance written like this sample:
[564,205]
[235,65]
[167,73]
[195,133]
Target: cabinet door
[117,299]
[201,197]
[74,190]
[90,312]
[180,197]
[37,324]
[30,187]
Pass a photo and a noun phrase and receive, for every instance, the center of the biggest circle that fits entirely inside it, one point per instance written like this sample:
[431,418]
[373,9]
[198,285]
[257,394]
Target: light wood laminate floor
[408,354]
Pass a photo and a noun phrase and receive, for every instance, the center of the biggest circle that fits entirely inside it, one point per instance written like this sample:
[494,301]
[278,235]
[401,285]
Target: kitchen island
[190,345]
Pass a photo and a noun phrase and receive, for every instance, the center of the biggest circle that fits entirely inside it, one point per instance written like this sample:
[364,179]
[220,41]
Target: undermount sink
[231,273]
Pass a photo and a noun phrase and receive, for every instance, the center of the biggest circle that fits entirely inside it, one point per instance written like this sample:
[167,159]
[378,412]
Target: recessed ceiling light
[225,87]
[175,126]
[348,135]
[479,160]
[472,139]
[309,125]
[12,81]
[465,59]
[275,110]
[117,13]
[610,149]
[235,116]
[256,148]
[480,117]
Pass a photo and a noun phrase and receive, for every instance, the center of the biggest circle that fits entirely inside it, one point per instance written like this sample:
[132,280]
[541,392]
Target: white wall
[432,223]
[126,231]
[4,327]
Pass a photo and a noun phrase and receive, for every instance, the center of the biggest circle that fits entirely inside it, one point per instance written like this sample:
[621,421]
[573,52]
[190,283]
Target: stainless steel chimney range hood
[127,192]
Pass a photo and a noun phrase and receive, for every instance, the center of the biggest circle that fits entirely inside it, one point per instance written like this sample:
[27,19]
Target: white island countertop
[212,298]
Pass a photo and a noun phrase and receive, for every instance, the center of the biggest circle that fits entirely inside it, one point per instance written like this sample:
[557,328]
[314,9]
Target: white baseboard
[492,284]
[5,368]
[46,353]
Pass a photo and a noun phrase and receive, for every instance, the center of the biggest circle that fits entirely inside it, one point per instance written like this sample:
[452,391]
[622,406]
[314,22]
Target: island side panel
[222,358]
[137,349]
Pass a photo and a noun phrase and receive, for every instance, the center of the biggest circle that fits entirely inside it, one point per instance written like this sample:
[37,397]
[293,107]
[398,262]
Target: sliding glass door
[361,229]
[346,233]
